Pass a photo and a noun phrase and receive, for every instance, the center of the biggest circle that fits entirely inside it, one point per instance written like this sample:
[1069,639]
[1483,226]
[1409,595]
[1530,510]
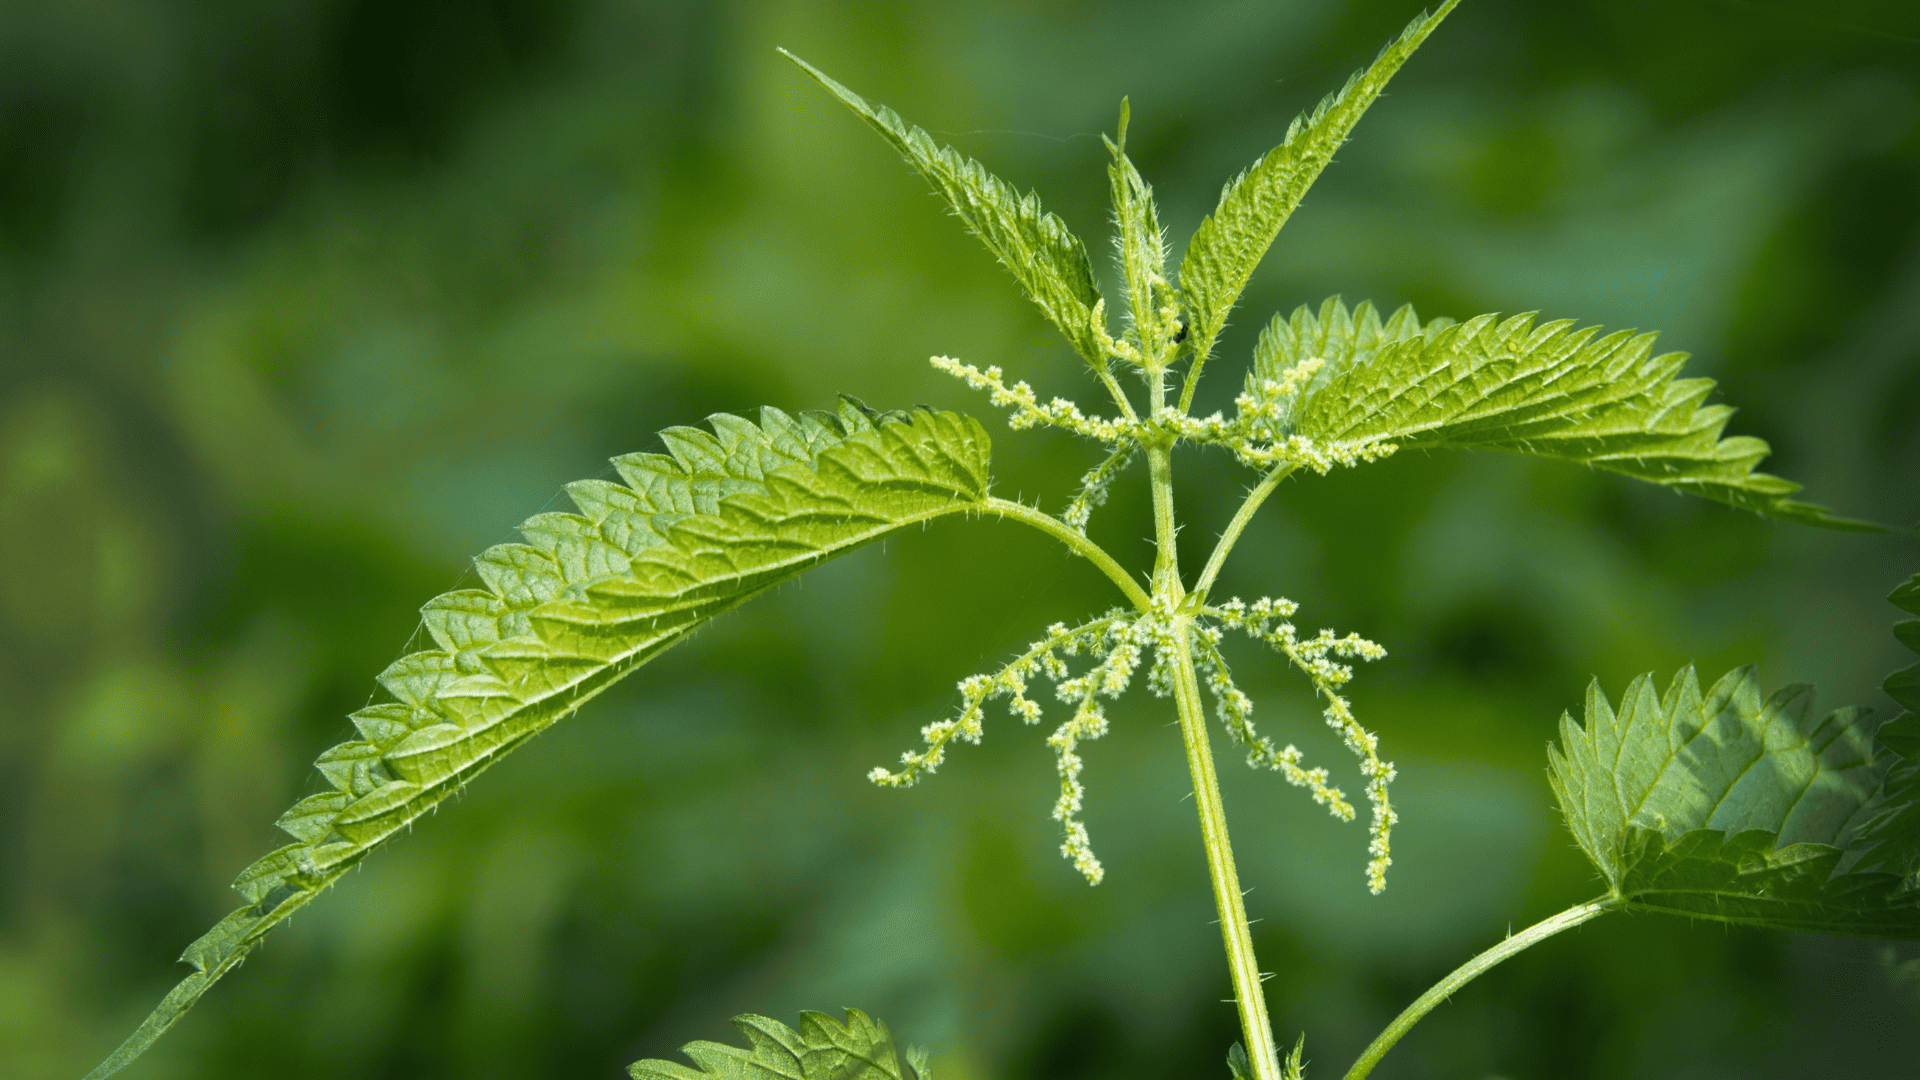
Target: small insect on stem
[1180,335]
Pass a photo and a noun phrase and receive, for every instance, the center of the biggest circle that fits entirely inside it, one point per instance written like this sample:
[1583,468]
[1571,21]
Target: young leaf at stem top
[1228,245]
[1733,807]
[1142,246]
[1044,255]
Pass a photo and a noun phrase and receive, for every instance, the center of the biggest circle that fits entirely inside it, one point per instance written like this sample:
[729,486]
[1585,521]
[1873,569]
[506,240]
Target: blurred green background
[304,302]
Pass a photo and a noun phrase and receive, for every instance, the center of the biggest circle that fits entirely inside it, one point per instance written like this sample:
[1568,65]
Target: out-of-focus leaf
[1893,823]
[822,1049]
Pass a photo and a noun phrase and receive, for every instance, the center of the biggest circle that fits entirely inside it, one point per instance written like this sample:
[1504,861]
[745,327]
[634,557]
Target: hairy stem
[1238,525]
[1234,930]
[1079,544]
[1193,379]
[1119,396]
[1469,971]
[1166,562]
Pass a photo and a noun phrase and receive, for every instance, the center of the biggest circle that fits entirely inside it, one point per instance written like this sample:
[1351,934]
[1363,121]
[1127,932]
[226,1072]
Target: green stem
[1119,395]
[1469,971]
[1166,561]
[1101,367]
[1239,524]
[1159,447]
[1193,374]
[1080,545]
[1234,930]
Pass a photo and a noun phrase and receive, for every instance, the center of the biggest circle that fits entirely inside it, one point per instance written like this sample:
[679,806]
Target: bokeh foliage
[304,303]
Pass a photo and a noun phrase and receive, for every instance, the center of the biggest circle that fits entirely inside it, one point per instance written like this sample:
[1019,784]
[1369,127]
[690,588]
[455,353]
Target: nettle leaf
[1138,238]
[1231,241]
[588,598]
[1894,822]
[822,1049]
[1737,807]
[1549,390]
[1044,255]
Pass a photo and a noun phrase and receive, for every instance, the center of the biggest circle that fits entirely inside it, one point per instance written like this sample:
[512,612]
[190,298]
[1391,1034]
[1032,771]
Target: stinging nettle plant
[1726,804]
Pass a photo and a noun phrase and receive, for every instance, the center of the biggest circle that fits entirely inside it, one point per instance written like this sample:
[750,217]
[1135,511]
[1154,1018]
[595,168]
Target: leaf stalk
[1080,545]
[1238,525]
[1471,970]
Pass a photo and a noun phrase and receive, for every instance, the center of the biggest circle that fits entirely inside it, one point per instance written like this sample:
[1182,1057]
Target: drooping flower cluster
[1117,641]
[1115,644]
[1028,412]
[1265,620]
[1095,485]
[1235,710]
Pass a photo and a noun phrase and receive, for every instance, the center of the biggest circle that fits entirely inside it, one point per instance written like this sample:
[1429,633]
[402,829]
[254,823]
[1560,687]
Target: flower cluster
[1115,644]
[1028,412]
[1094,487]
[1268,404]
[1235,710]
[1263,435]
[1257,433]
[1265,620]
[1116,641]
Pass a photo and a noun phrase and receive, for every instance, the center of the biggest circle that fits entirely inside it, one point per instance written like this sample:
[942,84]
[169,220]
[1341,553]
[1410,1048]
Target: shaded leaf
[1730,806]
[1238,1066]
[1747,878]
[1893,823]
[822,1049]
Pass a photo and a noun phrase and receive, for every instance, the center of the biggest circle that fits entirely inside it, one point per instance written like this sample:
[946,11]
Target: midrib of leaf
[727,517]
